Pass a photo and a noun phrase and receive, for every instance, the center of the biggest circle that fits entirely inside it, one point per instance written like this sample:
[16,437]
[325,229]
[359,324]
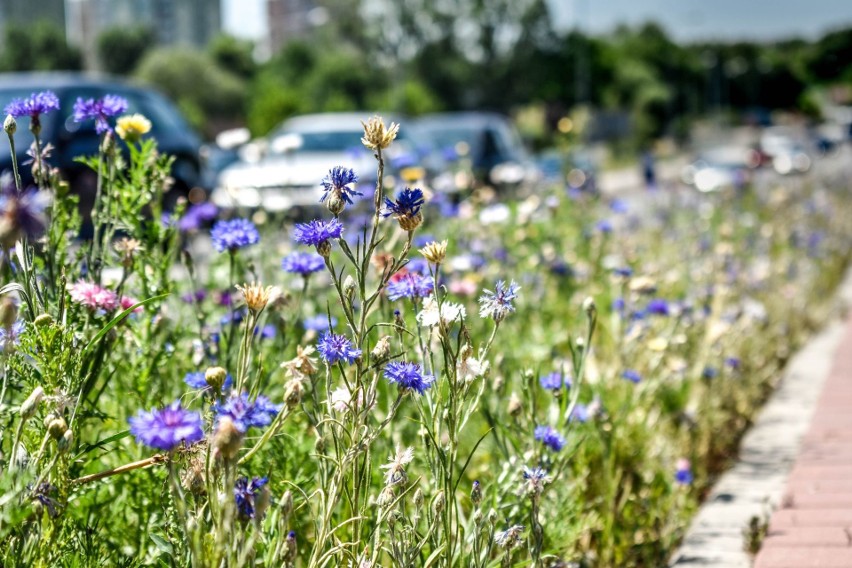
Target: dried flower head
[406,208]
[131,127]
[376,135]
[302,365]
[255,296]
[435,252]
[396,465]
[127,250]
[227,439]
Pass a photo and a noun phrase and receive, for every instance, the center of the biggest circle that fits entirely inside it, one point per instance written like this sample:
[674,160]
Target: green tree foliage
[120,49]
[210,97]
[234,55]
[38,47]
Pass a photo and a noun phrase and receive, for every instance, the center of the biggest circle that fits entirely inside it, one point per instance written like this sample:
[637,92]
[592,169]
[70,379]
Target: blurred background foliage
[418,56]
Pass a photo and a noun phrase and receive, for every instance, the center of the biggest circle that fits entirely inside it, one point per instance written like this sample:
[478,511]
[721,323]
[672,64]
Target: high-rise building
[174,22]
[289,20]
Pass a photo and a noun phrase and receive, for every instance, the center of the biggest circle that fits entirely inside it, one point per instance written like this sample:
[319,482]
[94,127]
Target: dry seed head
[255,295]
[435,252]
[227,440]
[215,377]
[127,249]
[376,136]
[410,222]
[382,348]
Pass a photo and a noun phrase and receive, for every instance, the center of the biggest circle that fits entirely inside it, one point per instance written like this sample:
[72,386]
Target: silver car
[284,170]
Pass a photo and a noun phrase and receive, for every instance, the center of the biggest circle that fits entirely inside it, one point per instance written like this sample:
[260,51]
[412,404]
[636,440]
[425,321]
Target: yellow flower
[376,136]
[131,127]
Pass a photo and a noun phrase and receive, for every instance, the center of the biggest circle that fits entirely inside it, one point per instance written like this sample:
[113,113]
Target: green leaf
[161,543]
[90,447]
[117,319]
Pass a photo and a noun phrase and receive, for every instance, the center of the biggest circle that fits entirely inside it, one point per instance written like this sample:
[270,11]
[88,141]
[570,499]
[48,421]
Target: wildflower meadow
[403,379]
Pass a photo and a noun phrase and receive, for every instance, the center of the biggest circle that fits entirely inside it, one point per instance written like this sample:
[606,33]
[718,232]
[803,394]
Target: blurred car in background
[487,141]
[576,169]
[282,171]
[787,154]
[720,168]
[71,139]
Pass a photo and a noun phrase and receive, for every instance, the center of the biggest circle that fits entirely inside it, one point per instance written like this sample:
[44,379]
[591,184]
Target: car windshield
[448,137]
[317,141]
[23,138]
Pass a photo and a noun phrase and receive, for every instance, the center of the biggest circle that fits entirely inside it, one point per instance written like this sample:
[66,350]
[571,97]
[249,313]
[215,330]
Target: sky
[685,20]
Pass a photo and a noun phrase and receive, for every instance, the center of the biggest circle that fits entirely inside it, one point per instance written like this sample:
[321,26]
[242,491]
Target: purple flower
[624,271]
[198,380]
[658,307]
[33,107]
[23,212]
[732,362]
[234,234]
[318,323]
[408,376]
[304,263]
[549,437]
[410,285]
[337,181]
[333,348]
[554,381]
[580,413]
[246,494]
[408,203]
[245,413]
[631,375]
[99,110]
[42,494]
[165,429]
[197,215]
[683,472]
[317,232]
[604,226]
[11,336]
[498,304]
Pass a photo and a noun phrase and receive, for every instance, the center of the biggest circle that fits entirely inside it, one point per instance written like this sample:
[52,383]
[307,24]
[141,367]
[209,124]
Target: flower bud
[261,503]
[227,440]
[477,516]
[43,320]
[418,498]
[410,222]
[492,516]
[293,392]
[286,504]
[382,349]
[335,203]
[476,494]
[215,377]
[10,125]
[515,404]
[589,306]
[349,286]
[66,441]
[57,427]
[29,407]
[438,503]
[290,547]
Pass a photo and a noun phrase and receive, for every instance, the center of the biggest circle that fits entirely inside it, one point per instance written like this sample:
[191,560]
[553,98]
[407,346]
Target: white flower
[449,312]
[468,368]
[340,399]
[396,465]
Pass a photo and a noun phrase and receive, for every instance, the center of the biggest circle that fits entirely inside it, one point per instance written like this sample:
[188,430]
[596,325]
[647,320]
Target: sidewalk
[796,460]
[813,526]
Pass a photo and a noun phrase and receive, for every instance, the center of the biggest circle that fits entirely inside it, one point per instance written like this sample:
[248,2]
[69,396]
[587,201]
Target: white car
[284,171]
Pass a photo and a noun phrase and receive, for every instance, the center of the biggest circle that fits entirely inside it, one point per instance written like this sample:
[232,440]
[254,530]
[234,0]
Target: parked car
[576,169]
[488,141]
[71,139]
[282,172]
[787,153]
[719,168]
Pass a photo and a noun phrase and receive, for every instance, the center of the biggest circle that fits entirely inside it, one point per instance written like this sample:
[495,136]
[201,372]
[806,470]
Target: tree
[233,55]
[40,46]
[121,49]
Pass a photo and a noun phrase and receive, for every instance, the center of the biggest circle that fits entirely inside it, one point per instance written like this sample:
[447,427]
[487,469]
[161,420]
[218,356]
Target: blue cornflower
[618,305]
[580,413]
[498,304]
[33,107]
[318,323]
[683,472]
[709,372]
[604,226]
[196,216]
[631,375]
[246,494]
[198,380]
[732,362]
[234,234]
[23,213]
[9,337]
[535,473]
[549,437]
[304,263]
[658,307]
[266,332]
[619,206]
[318,233]
[624,271]
[408,376]
[410,285]
[337,181]
[246,413]
[408,203]
[99,110]
[334,347]
[165,429]
[554,381]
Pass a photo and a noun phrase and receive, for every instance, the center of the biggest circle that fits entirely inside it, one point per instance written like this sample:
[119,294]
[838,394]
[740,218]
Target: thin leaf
[117,319]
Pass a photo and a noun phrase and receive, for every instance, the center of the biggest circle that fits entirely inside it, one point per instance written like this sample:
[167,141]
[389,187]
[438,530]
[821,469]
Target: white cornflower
[449,312]
[509,537]
[396,465]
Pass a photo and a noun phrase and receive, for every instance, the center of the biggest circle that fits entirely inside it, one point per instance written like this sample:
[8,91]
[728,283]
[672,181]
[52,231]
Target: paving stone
[803,557]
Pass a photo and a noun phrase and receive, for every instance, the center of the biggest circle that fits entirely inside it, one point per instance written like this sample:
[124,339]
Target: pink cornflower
[128,301]
[93,296]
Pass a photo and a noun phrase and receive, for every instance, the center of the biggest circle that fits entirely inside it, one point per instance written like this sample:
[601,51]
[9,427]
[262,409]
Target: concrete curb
[755,485]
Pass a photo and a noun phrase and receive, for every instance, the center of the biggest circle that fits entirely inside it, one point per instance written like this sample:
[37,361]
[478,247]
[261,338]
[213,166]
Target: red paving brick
[813,529]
